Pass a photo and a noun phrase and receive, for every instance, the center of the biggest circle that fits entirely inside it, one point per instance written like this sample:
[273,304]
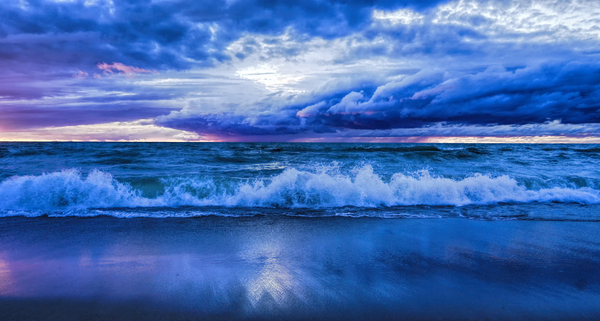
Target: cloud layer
[288,70]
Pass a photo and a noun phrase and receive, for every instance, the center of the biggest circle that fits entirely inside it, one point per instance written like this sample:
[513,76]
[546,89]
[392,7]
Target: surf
[327,187]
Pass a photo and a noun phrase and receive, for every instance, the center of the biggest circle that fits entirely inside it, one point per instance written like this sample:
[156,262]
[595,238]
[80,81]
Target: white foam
[326,188]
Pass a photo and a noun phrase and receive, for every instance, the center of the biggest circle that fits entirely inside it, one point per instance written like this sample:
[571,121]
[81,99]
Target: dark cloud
[274,115]
[45,42]
[569,92]
[72,35]
[326,19]
[463,71]
[40,35]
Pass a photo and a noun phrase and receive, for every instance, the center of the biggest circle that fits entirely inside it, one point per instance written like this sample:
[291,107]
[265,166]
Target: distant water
[490,182]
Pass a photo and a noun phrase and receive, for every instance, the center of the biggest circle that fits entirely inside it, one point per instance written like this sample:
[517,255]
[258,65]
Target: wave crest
[292,188]
[66,188]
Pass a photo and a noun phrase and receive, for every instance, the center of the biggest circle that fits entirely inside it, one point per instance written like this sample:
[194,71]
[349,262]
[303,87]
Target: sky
[300,71]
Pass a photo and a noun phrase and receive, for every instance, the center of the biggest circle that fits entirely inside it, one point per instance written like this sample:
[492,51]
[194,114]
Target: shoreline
[297,268]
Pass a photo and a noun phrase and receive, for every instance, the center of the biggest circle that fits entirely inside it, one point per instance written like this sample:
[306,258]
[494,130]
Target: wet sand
[297,268]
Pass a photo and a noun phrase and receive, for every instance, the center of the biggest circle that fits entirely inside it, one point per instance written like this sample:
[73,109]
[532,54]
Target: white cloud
[402,16]
[546,20]
[350,103]
[311,110]
[271,76]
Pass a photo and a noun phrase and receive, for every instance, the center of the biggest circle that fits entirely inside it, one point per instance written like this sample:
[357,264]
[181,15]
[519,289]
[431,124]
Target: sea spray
[292,188]
[67,189]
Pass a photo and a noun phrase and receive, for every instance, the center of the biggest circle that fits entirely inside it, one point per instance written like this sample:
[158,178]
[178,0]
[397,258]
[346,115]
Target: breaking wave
[71,190]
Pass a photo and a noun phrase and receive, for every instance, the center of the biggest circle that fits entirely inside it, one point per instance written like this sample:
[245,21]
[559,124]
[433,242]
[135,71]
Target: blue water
[490,182]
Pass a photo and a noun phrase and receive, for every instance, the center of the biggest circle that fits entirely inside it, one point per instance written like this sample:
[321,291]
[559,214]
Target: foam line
[71,190]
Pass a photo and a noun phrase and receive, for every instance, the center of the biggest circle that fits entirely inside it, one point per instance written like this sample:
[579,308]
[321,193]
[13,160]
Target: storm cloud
[160,35]
[566,92]
[293,69]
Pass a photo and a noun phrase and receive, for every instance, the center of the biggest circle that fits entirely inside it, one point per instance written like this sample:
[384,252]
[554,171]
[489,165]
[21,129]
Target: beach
[266,267]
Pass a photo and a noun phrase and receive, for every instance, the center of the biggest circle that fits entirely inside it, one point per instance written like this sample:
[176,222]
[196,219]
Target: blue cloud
[466,70]
[569,92]
[163,34]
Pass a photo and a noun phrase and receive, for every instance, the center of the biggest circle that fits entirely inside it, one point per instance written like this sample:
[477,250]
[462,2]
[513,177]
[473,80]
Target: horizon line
[540,139]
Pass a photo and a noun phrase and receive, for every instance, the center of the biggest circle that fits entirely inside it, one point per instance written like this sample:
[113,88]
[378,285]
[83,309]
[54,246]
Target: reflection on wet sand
[6,283]
[300,268]
[273,279]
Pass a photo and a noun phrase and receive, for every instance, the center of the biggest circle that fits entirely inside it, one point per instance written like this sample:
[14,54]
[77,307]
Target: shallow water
[298,268]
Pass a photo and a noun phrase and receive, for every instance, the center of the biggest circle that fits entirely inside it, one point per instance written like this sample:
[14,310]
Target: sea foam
[72,190]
